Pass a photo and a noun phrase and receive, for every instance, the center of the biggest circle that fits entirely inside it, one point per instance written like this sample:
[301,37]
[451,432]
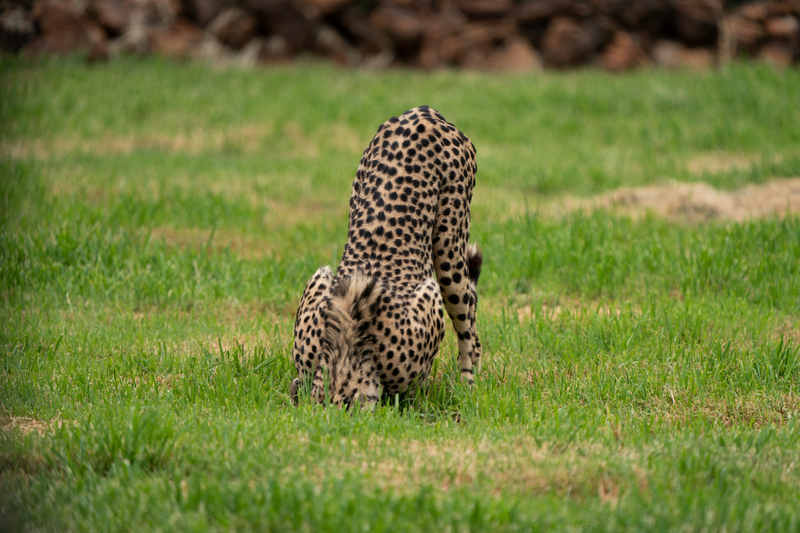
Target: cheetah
[376,326]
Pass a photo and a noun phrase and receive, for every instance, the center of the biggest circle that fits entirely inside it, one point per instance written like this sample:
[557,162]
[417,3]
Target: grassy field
[158,222]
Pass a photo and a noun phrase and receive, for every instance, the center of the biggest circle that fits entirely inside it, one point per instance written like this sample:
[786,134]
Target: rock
[536,11]
[648,16]
[135,38]
[212,50]
[158,12]
[500,29]
[204,11]
[647,19]
[16,28]
[276,50]
[613,8]
[328,7]
[534,17]
[295,22]
[442,44]
[113,15]
[778,53]
[697,58]
[516,55]
[568,43]
[233,27]
[403,24]
[668,54]
[600,30]
[483,9]
[565,43]
[696,21]
[332,45]
[180,40]
[747,32]
[758,11]
[65,31]
[779,8]
[622,53]
[475,47]
[672,54]
[785,27]
[250,55]
[374,46]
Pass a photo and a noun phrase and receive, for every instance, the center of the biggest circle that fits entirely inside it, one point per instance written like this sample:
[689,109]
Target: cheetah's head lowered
[347,343]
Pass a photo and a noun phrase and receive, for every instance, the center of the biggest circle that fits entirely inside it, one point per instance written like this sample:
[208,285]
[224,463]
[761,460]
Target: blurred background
[475,34]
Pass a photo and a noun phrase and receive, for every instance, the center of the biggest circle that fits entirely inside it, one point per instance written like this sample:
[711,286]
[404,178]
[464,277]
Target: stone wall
[429,34]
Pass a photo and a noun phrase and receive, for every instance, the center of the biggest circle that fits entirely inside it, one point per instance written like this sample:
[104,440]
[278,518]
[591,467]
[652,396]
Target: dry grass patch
[245,246]
[23,424]
[520,465]
[517,466]
[575,307]
[699,202]
[754,410]
[718,163]
[677,201]
[247,138]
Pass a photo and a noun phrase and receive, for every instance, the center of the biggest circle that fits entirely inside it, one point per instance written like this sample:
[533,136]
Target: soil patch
[699,202]
[23,424]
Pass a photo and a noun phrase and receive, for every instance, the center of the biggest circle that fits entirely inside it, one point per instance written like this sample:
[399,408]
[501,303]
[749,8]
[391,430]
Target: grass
[158,222]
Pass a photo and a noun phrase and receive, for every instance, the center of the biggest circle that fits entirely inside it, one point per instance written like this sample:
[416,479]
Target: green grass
[158,222]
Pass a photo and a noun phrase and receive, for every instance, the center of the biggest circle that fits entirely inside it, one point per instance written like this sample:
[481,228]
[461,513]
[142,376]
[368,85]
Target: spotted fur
[377,326]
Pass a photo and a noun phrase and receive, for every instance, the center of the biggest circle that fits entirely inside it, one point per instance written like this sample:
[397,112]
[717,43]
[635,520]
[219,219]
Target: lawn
[159,220]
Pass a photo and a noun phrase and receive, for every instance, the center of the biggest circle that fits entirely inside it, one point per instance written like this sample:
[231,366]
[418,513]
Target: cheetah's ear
[474,262]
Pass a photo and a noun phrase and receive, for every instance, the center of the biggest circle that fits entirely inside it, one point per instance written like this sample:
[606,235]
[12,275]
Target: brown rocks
[779,54]
[180,40]
[623,53]
[332,45]
[565,43]
[785,27]
[404,24]
[667,53]
[533,12]
[204,11]
[445,41]
[374,46]
[672,54]
[295,22]
[768,30]
[696,20]
[16,28]
[478,34]
[746,31]
[329,7]
[113,15]
[516,55]
[65,29]
[233,27]
[757,12]
[482,9]
[697,58]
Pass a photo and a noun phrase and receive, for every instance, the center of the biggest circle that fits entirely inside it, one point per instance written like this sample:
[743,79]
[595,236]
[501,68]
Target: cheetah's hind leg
[474,266]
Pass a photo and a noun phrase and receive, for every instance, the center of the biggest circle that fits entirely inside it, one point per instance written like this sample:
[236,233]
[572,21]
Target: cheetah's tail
[354,301]
[474,262]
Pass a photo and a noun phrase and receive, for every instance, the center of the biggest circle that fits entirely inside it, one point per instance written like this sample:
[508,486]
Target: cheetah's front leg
[419,341]
[309,327]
